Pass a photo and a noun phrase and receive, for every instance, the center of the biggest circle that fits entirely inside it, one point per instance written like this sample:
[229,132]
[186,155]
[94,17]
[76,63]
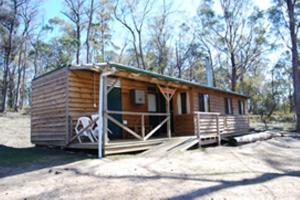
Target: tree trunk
[233,72]
[102,45]
[141,50]
[295,60]
[22,90]
[4,89]
[6,68]
[87,42]
[78,42]
[11,89]
[17,91]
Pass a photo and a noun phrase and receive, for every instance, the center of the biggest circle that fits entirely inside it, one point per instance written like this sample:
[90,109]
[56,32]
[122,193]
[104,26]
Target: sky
[52,8]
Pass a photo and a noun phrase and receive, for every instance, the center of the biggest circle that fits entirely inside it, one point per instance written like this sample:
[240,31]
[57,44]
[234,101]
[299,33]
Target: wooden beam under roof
[149,79]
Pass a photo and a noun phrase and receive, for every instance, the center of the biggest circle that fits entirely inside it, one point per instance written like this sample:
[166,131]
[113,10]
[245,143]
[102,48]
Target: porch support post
[168,93]
[169,116]
[101,115]
[102,109]
[105,136]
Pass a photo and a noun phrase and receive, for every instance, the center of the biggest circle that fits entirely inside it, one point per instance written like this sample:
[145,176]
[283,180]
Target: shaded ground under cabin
[138,109]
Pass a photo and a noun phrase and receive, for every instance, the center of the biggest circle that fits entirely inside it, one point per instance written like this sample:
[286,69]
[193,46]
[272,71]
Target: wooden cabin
[138,108]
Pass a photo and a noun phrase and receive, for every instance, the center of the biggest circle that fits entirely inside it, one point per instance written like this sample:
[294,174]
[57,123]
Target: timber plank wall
[83,90]
[49,109]
[234,123]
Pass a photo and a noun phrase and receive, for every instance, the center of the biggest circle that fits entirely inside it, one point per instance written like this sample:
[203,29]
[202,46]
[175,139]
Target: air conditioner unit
[138,96]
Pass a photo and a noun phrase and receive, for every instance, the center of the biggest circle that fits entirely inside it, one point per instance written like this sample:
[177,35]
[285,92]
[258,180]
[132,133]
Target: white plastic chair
[95,131]
[82,123]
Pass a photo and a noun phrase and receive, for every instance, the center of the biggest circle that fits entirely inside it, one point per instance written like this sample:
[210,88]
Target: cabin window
[228,106]
[241,107]
[183,103]
[203,102]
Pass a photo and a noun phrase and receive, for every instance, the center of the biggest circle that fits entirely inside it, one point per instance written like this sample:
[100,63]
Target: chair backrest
[94,117]
[85,121]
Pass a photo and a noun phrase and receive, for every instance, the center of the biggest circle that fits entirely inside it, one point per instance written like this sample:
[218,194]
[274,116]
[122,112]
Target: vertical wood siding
[48,112]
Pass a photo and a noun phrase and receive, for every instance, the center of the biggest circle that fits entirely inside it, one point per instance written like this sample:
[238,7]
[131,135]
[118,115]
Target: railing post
[218,130]
[198,129]
[143,126]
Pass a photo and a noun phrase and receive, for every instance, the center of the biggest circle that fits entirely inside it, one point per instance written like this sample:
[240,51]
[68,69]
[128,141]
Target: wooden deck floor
[123,146]
[166,144]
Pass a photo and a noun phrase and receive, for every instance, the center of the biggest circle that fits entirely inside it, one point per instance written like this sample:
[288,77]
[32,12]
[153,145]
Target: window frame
[180,104]
[228,106]
[241,105]
[206,102]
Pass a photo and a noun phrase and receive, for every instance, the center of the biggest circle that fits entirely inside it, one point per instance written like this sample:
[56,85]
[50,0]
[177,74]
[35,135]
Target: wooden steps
[170,145]
[186,145]
[127,147]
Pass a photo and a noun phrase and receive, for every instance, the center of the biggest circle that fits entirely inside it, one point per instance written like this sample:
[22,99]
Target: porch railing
[214,124]
[208,124]
[144,136]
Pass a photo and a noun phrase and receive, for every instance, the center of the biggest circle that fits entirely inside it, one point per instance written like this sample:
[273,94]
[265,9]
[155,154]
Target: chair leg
[91,138]
[79,139]
[95,137]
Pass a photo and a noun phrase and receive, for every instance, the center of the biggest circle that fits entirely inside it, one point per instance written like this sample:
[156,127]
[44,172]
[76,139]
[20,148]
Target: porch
[207,128]
[137,112]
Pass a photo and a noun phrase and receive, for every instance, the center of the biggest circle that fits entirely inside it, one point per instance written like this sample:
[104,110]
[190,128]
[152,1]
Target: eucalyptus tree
[90,16]
[9,21]
[132,15]
[16,19]
[102,32]
[285,15]
[160,35]
[236,36]
[74,11]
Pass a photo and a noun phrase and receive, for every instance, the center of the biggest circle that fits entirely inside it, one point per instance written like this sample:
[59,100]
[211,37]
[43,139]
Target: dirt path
[261,170]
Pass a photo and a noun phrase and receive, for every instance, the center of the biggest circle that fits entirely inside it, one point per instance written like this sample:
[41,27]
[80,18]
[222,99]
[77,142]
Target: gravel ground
[261,170]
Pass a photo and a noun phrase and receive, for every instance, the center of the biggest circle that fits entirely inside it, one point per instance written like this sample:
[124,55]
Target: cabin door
[157,104]
[114,103]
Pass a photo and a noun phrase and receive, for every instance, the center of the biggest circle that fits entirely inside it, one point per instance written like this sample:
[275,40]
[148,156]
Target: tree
[183,46]
[74,12]
[237,34]
[16,19]
[102,31]
[132,15]
[90,14]
[160,29]
[285,15]
[9,22]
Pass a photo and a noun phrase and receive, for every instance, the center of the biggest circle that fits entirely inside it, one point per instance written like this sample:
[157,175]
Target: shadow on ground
[220,184]
[15,161]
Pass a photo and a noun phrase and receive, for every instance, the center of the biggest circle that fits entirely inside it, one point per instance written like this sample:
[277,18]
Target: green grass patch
[21,156]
